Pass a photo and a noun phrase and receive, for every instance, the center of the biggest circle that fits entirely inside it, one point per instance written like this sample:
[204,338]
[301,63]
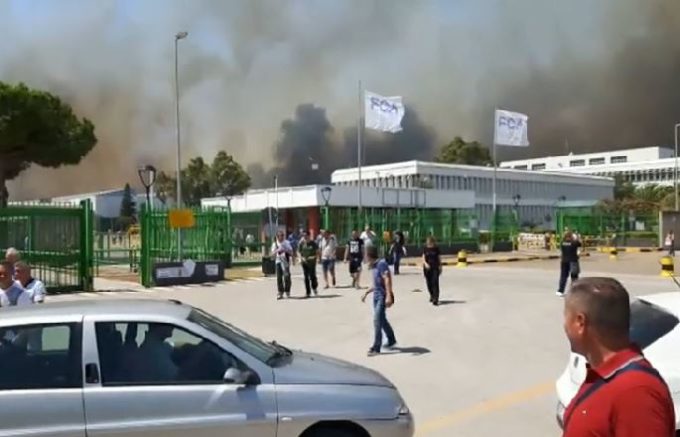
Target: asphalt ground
[481,364]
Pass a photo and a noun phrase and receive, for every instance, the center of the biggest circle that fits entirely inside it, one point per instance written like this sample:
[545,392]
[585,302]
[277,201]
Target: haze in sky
[591,76]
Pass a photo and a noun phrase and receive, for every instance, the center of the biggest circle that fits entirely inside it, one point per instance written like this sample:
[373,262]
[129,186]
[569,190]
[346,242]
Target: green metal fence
[56,239]
[246,234]
[609,228]
[208,240]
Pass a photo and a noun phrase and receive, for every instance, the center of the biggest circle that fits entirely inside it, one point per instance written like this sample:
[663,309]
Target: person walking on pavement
[308,252]
[397,250]
[569,262]
[432,268]
[368,236]
[282,253]
[328,249]
[670,243]
[354,252]
[622,395]
[383,298]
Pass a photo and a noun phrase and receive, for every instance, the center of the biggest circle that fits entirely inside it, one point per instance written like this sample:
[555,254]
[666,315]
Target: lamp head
[181,35]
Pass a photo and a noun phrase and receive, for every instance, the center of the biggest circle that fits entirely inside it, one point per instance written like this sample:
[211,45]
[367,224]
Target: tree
[36,127]
[227,176]
[128,208]
[623,189]
[224,177]
[460,151]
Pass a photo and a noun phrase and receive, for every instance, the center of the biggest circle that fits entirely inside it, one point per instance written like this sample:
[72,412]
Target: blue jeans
[381,324]
[397,260]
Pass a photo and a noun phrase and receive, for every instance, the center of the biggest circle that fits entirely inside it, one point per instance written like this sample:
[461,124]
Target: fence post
[86,267]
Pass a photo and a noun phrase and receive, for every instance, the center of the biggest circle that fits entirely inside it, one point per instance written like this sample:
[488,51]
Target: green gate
[208,240]
[56,239]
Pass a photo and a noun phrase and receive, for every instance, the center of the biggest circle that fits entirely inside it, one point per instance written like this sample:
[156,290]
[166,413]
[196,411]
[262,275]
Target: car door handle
[91,373]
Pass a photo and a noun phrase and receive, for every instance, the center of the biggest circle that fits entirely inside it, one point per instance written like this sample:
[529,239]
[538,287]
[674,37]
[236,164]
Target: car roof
[97,307]
[668,301]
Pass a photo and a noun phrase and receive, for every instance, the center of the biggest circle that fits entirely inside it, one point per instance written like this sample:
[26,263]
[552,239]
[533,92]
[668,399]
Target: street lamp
[326,195]
[675,173]
[178,36]
[147,175]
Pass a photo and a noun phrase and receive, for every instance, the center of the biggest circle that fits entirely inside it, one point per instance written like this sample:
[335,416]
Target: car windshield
[249,344]
[649,323]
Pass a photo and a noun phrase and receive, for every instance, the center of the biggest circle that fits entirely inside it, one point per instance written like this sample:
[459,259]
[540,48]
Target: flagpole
[493,201]
[360,128]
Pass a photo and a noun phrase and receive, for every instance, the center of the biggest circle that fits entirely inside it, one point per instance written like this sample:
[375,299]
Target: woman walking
[670,243]
[432,268]
[569,265]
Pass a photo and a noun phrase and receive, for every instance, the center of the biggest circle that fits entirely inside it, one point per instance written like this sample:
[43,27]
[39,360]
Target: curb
[502,259]
[631,249]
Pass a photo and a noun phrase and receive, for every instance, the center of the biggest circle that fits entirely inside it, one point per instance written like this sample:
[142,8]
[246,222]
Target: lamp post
[178,36]
[147,175]
[326,194]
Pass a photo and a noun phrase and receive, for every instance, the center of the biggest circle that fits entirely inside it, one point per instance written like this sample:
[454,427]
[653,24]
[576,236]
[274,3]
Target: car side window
[40,357]
[132,353]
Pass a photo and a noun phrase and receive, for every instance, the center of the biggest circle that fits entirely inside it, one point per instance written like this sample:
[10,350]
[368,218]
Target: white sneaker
[557,293]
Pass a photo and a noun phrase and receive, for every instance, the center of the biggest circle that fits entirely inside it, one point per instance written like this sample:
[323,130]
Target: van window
[648,323]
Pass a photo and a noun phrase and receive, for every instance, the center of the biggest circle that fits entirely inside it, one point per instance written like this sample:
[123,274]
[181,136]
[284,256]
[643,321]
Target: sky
[574,67]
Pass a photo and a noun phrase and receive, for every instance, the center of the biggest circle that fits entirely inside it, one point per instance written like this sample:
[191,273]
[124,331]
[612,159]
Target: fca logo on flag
[383,105]
[511,123]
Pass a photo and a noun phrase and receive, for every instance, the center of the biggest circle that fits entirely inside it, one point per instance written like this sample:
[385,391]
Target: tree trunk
[4,194]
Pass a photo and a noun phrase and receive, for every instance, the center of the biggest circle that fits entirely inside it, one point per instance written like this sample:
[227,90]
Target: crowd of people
[17,284]
[360,251]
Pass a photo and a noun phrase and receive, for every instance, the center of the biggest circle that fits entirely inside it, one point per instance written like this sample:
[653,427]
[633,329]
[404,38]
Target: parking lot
[481,364]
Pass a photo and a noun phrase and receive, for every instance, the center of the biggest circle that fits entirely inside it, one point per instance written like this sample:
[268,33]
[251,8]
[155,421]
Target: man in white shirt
[11,292]
[368,236]
[328,247]
[12,256]
[282,252]
[34,287]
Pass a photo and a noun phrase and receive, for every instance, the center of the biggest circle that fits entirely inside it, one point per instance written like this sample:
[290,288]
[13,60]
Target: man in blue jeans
[383,298]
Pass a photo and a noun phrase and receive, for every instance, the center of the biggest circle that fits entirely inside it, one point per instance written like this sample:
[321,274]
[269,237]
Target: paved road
[482,364]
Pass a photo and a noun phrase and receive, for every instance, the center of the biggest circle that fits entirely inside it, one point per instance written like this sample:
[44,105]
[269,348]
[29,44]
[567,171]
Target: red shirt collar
[617,361]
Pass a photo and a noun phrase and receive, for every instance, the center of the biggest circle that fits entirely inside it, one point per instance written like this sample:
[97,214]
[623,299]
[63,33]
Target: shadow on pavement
[320,296]
[413,350]
[451,302]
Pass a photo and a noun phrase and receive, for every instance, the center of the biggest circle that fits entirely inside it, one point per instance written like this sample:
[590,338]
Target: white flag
[383,113]
[511,129]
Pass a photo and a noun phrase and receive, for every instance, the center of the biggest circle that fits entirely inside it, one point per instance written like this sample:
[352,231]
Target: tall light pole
[675,173]
[178,36]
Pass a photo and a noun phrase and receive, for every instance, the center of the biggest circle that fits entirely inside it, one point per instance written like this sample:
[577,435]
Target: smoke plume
[591,76]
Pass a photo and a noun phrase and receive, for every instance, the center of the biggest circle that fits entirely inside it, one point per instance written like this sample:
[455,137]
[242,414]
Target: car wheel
[331,432]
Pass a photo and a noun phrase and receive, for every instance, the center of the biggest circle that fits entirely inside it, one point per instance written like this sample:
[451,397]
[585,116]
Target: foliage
[128,208]
[223,177]
[36,127]
[460,151]
[647,199]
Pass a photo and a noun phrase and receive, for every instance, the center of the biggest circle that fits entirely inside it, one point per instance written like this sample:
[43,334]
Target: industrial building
[640,166]
[533,196]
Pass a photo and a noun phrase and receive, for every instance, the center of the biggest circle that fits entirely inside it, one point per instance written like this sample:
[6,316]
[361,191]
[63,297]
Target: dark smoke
[309,150]
[592,75]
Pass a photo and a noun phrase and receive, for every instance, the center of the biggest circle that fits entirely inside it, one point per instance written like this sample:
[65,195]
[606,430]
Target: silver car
[150,368]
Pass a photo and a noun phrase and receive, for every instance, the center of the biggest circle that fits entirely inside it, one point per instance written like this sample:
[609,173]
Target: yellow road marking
[495,404]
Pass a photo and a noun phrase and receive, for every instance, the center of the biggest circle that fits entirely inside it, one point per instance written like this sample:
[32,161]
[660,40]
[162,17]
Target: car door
[159,379]
[41,382]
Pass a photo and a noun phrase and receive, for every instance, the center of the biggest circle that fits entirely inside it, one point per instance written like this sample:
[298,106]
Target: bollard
[667,267]
[613,253]
[462,259]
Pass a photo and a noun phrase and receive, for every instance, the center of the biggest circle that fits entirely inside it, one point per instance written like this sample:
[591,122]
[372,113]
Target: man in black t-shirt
[354,252]
[432,268]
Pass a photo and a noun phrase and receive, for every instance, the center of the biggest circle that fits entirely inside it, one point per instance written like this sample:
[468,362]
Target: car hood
[307,368]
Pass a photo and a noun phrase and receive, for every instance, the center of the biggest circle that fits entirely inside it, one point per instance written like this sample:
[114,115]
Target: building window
[618,159]
[538,166]
[596,161]
[521,167]
[577,163]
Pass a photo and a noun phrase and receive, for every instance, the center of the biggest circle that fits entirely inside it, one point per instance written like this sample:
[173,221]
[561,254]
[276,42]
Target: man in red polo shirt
[623,395]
